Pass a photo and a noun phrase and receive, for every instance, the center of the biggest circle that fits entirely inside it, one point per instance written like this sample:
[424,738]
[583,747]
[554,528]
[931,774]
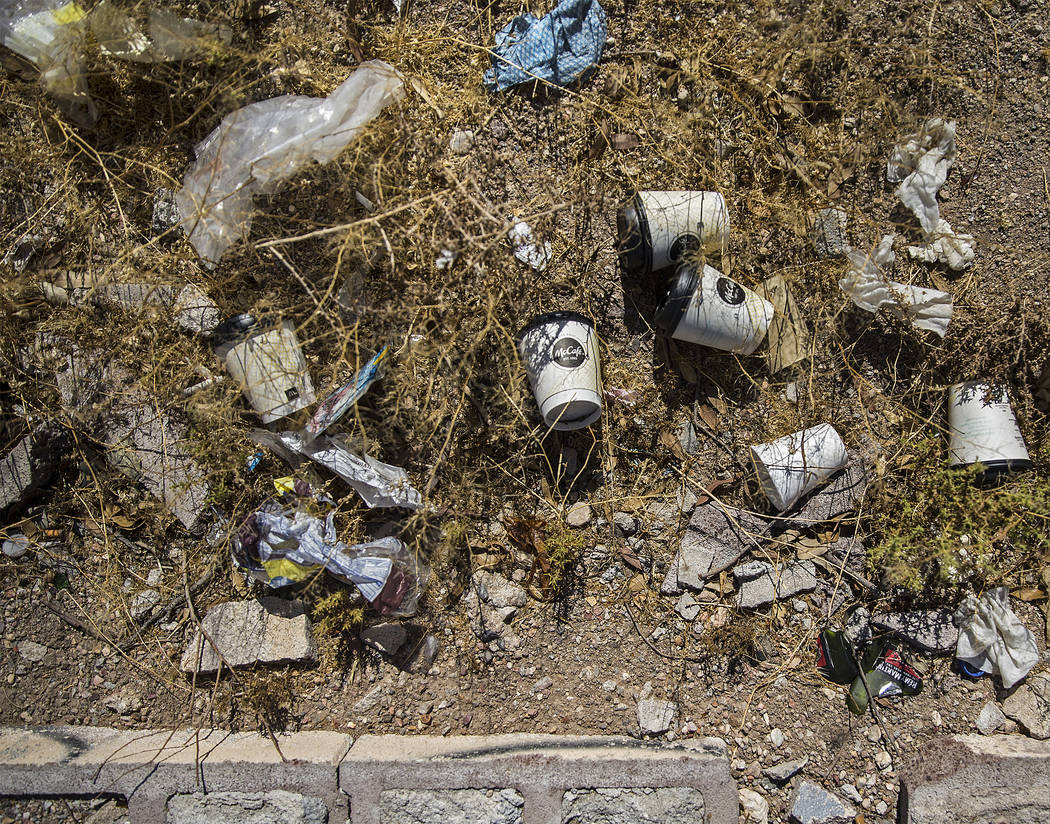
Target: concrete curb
[147,767]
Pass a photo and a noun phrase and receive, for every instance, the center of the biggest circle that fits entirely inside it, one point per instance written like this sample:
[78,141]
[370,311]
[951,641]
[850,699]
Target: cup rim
[548,317]
[680,289]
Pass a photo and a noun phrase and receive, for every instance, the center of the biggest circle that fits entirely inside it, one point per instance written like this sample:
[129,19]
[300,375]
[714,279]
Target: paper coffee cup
[707,308]
[560,352]
[791,466]
[982,429]
[657,229]
[268,362]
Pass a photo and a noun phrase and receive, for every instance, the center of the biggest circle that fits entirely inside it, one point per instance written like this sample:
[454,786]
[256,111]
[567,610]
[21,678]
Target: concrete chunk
[777,584]
[655,716]
[31,463]
[1029,706]
[812,804]
[930,630]
[715,538]
[274,807]
[666,805]
[841,494]
[975,779]
[249,632]
[450,806]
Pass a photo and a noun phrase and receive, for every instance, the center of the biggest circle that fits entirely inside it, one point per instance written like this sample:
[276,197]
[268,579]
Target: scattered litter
[920,164]
[164,37]
[333,407]
[886,673]
[628,397]
[254,148]
[982,428]
[462,142]
[560,354]
[829,233]
[659,229]
[242,633]
[787,335]
[284,543]
[798,463]
[705,307]
[992,638]
[869,287]
[445,259]
[525,248]
[558,48]
[264,356]
[15,546]
[379,484]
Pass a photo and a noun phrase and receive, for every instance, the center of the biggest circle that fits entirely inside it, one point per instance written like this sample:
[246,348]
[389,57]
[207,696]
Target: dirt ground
[785,110]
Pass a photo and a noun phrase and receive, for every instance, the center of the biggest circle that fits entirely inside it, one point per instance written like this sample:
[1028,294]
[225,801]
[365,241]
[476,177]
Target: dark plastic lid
[234,328]
[635,243]
[995,470]
[679,292]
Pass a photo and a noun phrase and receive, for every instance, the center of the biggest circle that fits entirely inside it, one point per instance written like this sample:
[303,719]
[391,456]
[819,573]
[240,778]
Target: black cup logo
[732,293]
[568,352]
[683,244]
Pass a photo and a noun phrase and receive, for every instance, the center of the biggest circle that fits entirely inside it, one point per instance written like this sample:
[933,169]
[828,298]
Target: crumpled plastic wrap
[50,34]
[526,249]
[993,639]
[557,48]
[868,286]
[339,400]
[379,484]
[284,543]
[256,147]
[920,164]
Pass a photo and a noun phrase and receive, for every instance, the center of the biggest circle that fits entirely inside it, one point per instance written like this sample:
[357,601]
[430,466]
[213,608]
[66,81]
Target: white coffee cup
[560,352]
[798,463]
[267,360]
[657,229]
[707,308]
[982,429]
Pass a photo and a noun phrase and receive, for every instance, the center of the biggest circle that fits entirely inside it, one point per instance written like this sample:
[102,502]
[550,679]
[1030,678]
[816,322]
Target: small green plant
[563,551]
[936,526]
[338,614]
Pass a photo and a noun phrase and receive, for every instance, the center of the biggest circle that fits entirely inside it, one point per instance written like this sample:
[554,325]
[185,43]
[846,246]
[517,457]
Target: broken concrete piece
[1029,706]
[811,804]
[272,807]
[783,771]
[930,630]
[715,538]
[841,494]
[655,716]
[498,591]
[829,233]
[265,631]
[858,628]
[32,463]
[387,638]
[788,580]
[687,607]
[991,719]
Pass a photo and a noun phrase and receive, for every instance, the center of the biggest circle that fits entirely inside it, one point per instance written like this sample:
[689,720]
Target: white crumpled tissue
[920,164]
[869,287]
[256,147]
[992,638]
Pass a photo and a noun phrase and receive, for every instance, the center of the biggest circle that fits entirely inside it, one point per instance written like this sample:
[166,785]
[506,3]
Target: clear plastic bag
[256,147]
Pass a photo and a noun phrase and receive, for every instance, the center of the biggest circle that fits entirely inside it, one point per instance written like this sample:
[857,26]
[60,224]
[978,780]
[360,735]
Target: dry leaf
[623,142]
[709,416]
[788,336]
[1028,594]
[628,557]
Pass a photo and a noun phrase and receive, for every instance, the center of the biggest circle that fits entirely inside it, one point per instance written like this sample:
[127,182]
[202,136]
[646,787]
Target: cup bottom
[572,409]
[995,470]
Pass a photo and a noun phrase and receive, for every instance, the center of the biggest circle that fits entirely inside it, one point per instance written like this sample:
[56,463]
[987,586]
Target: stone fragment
[776,737]
[841,494]
[655,715]
[829,233]
[273,807]
[387,638]
[32,651]
[123,701]
[265,631]
[543,684]
[883,760]
[1029,706]
[665,805]
[976,779]
[450,806]
[754,809]
[422,659]
[788,580]
[930,630]
[462,142]
[687,607]
[31,463]
[625,524]
[858,628]
[751,570]
[811,804]
[687,438]
[850,791]
[498,591]
[578,516]
[784,770]
[991,719]
[715,538]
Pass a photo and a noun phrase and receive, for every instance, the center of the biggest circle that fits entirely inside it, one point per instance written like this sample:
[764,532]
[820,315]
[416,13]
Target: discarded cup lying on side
[265,357]
[798,463]
[560,351]
[707,308]
[656,229]
[982,429]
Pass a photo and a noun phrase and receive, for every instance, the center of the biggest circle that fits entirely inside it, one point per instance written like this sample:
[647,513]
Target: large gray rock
[1029,706]
[716,537]
[265,631]
[778,584]
[930,630]
[811,804]
[975,779]
[274,807]
[840,495]
[31,463]
[450,806]
[666,805]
